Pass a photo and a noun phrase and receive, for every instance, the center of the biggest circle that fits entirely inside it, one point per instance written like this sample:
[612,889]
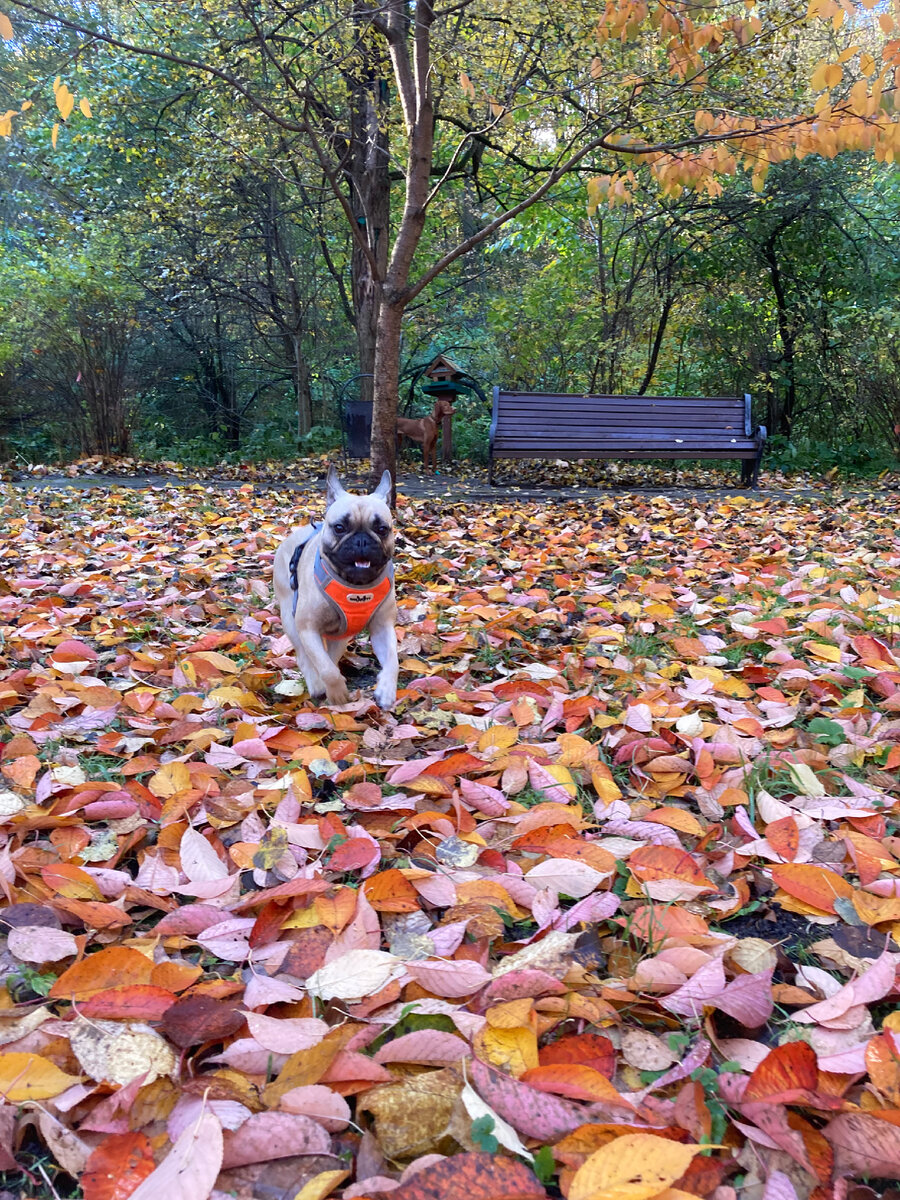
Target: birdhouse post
[443,375]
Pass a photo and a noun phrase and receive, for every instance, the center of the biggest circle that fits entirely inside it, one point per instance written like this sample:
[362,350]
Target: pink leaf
[779,1187]
[189,1170]
[41,943]
[748,999]
[532,1113]
[864,1145]
[453,978]
[872,985]
[199,860]
[487,800]
[424,1046]
[269,1135]
[325,1106]
[286,1035]
[597,907]
[690,998]
[542,781]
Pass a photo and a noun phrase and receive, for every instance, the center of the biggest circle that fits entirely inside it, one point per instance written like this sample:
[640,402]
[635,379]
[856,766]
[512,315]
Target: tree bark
[370,199]
[785,416]
[302,392]
[387,374]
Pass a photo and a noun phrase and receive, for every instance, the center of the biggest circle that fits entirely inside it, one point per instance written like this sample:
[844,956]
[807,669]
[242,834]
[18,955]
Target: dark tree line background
[178,278]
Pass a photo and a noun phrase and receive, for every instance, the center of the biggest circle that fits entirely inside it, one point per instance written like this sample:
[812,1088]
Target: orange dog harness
[355,607]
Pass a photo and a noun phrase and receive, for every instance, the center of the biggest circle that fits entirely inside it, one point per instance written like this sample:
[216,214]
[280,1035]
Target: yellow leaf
[65,101]
[563,776]
[467,85]
[6,29]
[30,1077]
[636,1166]
[824,651]
[576,750]
[220,661]
[500,737]
[817,81]
[169,780]
[514,1050]
[321,1185]
[834,73]
[85,107]
[605,787]
[54,134]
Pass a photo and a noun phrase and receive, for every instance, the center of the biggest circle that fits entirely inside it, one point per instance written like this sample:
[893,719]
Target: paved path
[452,488]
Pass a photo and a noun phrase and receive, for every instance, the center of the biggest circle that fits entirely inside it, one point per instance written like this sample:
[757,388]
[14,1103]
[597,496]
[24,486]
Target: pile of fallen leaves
[510,474]
[607,907]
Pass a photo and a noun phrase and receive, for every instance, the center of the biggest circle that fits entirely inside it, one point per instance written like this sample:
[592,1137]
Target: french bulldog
[335,579]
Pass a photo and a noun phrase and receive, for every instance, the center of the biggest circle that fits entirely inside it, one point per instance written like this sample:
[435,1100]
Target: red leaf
[139,1002]
[784,1072]
[586,1049]
[117,1166]
[469,1177]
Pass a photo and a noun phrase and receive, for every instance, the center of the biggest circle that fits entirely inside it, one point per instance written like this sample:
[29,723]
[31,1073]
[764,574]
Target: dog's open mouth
[362,564]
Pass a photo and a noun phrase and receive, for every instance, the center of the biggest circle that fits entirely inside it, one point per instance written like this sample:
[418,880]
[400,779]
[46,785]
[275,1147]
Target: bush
[805,453]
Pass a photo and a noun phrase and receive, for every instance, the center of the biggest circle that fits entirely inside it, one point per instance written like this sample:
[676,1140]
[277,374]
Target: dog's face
[358,535]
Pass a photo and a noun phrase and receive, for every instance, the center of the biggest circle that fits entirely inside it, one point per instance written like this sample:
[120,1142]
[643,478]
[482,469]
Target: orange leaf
[588,1049]
[136,1002]
[390,891]
[814,885]
[784,837]
[65,879]
[114,966]
[471,1177]
[175,976]
[574,1080]
[650,863]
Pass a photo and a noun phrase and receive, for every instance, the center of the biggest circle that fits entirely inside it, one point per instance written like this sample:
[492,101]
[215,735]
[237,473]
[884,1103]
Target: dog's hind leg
[314,684]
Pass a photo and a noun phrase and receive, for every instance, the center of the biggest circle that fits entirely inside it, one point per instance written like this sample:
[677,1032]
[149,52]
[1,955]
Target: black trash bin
[358,427]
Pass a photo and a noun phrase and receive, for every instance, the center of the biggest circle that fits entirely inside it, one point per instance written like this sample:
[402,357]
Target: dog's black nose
[362,544]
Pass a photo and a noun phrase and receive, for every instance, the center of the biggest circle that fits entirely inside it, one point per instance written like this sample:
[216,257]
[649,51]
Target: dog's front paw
[385,694]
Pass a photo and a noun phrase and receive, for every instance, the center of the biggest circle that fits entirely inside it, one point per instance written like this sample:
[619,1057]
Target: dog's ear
[333,489]
[383,491]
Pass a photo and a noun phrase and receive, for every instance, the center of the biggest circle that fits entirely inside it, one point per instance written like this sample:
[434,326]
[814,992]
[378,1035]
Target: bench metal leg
[747,472]
[757,463]
[491,472]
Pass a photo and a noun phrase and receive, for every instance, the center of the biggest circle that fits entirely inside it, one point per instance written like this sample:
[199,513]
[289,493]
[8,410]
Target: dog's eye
[380,528]
[339,527]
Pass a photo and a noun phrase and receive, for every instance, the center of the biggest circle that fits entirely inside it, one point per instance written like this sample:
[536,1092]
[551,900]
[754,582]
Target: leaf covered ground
[605,909]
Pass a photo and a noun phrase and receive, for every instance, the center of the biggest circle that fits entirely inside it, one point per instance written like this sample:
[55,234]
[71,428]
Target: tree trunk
[412,73]
[370,200]
[302,392]
[788,341]
[387,373]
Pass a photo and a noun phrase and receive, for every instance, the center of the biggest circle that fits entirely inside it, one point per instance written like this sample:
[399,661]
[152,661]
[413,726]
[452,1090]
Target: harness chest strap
[354,607]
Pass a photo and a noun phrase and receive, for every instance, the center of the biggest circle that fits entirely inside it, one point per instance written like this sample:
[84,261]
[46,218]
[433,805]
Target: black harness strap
[295,559]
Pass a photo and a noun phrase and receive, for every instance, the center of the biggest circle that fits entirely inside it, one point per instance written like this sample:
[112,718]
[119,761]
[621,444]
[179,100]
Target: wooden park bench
[551,425]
